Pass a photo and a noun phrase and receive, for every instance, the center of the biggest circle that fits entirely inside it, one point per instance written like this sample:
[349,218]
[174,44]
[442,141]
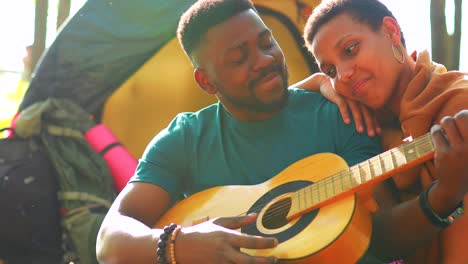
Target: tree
[445,46]
[40,30]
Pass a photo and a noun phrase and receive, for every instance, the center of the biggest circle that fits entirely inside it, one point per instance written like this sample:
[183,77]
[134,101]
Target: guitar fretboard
[361,173]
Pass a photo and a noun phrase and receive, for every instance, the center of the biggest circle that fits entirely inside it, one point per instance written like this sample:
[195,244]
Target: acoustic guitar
[311,207]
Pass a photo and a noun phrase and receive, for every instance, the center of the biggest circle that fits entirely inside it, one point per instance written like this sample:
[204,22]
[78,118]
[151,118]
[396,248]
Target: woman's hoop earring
[398,53]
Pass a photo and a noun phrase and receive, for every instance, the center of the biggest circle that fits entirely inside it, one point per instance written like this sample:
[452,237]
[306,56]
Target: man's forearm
[123,239]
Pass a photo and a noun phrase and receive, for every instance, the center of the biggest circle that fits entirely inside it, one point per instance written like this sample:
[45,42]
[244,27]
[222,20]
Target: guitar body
[336,233]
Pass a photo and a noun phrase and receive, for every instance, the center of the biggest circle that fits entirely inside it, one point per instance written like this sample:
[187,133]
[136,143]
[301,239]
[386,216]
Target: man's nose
[263,59]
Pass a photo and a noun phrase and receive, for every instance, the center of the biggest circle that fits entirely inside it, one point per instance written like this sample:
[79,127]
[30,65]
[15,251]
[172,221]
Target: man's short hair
[203,15]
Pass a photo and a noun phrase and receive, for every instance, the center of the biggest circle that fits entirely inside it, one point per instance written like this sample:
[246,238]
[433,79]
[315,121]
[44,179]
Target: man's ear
[392,29]
[203,81]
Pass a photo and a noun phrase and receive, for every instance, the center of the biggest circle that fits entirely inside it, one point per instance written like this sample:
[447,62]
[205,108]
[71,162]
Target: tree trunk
[445,46]
[63,12]
[40,31]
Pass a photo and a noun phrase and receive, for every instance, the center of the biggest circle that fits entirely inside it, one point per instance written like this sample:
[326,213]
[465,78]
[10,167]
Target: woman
[360,48]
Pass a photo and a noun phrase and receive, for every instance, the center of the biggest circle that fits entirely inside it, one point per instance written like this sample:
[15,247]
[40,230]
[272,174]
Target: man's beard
[255,104]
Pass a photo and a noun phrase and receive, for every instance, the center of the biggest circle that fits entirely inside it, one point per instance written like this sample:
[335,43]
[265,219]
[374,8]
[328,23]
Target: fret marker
[408,139]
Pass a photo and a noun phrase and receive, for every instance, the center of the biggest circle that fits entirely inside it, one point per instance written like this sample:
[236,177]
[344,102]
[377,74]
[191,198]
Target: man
[257,129]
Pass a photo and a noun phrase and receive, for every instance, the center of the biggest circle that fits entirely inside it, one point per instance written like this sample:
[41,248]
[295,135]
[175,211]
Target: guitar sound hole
[275,215]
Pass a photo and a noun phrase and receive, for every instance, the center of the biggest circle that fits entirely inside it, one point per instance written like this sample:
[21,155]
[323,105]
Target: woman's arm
[399,230]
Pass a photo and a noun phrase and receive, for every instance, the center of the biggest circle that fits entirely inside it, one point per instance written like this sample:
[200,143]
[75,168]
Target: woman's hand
[361,113]
[450,159]
[216,241]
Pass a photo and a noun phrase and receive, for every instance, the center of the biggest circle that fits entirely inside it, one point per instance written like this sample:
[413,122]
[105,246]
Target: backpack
[30,230]
[85,187]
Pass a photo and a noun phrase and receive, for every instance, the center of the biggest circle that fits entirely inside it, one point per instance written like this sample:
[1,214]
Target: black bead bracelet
[162,243]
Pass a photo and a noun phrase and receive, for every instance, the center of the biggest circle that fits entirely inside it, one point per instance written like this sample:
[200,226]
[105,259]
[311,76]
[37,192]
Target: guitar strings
[280,210]
[283,210]
[317,186]
[312,188]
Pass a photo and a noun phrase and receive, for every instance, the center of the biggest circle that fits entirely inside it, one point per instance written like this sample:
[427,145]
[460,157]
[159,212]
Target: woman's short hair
[370,12]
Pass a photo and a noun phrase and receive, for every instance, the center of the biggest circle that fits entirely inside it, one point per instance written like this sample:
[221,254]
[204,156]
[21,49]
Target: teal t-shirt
[210,148]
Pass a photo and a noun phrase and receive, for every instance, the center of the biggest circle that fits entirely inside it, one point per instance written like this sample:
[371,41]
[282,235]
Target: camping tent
[120,61]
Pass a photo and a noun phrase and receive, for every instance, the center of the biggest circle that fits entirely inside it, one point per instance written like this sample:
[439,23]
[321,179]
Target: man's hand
[217,241]
[361,113]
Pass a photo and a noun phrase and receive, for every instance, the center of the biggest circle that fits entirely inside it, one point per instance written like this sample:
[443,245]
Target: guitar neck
[361,175]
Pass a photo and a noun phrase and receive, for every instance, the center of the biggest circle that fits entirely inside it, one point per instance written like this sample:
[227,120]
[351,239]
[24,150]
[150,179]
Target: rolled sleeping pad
[121,164]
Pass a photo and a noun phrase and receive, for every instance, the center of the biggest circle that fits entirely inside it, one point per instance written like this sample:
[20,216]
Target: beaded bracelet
[161,251]
[172,244]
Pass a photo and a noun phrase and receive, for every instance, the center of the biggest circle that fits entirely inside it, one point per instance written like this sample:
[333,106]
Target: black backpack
[30,229]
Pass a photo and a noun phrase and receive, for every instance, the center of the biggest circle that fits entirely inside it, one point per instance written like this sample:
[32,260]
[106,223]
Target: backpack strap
[85,197]
[12,131]
[5,129]
[64,131]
